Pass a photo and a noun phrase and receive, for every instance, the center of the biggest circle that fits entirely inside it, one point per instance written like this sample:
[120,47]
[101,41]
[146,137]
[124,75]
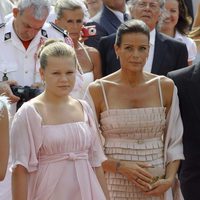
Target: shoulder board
[7,36]
[2,25]
[44,33]
[61,30]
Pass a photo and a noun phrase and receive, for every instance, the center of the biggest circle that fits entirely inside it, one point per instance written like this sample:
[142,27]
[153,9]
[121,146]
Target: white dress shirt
[190,44]
[149,62]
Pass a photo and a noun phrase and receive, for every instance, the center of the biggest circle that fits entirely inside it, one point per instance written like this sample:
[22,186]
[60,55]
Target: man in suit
[107,20]
[166,54]
[187,81]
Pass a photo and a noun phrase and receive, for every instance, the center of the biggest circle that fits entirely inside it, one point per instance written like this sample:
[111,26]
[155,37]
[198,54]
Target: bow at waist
[71,156]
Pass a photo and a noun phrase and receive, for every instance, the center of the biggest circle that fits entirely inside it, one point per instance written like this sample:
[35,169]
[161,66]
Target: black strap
[61,30]
[2,25]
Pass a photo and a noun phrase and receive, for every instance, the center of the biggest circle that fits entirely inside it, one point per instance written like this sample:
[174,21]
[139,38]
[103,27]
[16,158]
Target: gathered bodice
[133,123]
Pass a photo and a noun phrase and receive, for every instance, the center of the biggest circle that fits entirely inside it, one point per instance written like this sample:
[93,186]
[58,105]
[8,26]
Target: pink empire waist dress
[59,158]
[132,135]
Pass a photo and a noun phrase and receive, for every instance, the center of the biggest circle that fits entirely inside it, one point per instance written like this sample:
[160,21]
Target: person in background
[139,118]
[55,148]
[69,16]
[94,6]
[4,137]
[176,23]
[188,83]
[165,53]
[52,14]
[112,14]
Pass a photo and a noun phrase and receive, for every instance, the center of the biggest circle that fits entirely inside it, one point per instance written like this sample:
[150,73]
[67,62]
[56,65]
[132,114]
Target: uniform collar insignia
[44,33]
[7,36]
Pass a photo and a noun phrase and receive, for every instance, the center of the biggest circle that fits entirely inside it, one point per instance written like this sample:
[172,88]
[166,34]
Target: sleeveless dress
[59,158]
[133,135]
[82,80]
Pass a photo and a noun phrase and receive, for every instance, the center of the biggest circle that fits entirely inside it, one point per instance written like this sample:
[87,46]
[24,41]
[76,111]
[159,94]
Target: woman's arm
[135,172]
[101,179]
[173,146]
[19,183]
[96,61]
[4,141]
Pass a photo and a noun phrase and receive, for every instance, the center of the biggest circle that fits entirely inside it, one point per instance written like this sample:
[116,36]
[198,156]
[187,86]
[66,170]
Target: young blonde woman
[55,149]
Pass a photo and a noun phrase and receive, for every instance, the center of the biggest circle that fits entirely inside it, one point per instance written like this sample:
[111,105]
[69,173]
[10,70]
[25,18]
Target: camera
[88,31]
[25,93]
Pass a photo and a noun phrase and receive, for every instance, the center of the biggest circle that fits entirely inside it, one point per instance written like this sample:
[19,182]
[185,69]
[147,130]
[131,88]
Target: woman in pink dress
[138,113]
[56,154]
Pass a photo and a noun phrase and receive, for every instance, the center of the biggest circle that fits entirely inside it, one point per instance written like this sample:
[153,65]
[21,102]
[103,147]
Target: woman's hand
[5,89]
[136,173]
[159,187]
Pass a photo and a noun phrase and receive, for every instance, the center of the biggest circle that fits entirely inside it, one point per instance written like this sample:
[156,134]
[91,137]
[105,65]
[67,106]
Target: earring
[117,57]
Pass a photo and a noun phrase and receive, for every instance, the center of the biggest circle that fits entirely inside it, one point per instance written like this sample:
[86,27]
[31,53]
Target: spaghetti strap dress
[132,135]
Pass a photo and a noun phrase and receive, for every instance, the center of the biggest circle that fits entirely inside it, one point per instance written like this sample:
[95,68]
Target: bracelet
[118,164]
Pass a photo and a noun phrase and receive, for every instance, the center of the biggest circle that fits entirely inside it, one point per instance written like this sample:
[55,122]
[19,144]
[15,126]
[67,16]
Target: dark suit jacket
[106,23]
[187,81]
[169,55]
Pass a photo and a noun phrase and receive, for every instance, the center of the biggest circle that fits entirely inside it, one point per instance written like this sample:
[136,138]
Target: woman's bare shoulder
[167,83]
[91,49]
[164,81]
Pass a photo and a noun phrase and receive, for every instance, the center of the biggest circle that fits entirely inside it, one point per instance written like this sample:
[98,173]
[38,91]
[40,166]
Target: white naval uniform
[21,65]
[18,63]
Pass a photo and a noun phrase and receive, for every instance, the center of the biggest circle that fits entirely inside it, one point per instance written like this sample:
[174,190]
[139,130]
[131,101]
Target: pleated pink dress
[59,158]
[132,135]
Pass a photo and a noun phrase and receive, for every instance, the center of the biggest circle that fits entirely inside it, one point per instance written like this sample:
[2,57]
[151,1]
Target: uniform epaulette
[2,25]
[61,30]
[7,36]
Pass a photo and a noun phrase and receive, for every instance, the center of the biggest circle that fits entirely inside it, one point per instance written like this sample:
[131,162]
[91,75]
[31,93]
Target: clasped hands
[137,173]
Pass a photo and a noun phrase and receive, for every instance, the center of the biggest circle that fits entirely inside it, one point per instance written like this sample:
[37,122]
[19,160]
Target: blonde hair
[195,33]
[55,48]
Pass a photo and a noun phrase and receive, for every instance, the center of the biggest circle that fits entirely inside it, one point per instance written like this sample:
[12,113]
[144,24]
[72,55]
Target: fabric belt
[72,156]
